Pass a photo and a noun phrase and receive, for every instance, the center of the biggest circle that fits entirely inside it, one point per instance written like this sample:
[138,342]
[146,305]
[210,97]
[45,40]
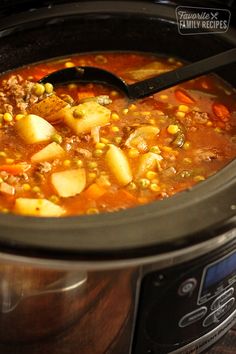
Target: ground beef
[200,117]
[16,92]
[206,155]
[193,118]
[84,152]
[44,167]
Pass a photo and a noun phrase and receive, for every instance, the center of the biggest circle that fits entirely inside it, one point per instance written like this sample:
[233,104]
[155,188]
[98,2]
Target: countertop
[227,345]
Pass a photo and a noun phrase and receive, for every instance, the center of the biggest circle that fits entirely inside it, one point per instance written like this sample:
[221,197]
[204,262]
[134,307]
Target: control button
[215,316]
[223,298]
[187,287]
[192,317]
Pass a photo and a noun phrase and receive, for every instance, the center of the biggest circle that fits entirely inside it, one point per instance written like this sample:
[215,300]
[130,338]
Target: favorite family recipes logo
[196,20]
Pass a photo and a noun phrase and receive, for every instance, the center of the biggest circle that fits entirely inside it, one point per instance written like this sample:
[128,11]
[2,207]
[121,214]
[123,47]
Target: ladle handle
[187,72]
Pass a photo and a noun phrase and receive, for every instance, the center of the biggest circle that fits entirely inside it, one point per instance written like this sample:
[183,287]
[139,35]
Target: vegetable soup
[86,148]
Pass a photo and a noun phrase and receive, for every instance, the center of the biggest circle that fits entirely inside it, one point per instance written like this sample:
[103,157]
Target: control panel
[185,309]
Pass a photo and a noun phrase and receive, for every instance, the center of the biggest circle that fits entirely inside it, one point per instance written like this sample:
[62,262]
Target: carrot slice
[94,191]
[17,169]
[221,111]
[183,97]
[120,198]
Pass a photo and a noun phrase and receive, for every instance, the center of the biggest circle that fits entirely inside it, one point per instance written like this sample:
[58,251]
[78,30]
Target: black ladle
[146,87]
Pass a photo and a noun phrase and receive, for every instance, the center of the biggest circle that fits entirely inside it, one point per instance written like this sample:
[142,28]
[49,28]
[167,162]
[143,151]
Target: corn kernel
[118,139]
[54,199]
[199,178]
[48,87]
[154,187]
[115,116]
[100,146]
[7,117]
[10,161]
[79,163]
[36,189]
[66,163]
[145,113]
[1,180]
[125,111]
[132,186]
[72,86]
[69,64]
[167,148]
[114,94]
[186,145]
[180,114]
[133,153]
[152,121]
[132,107]
[19,117]
[155,149]
[92,176]
[209,123]
[26,187]
[91,211]
[151,175]
[218,130]
[115,129]
[98,152]
[5,211]
[3,154]
[163,97]
[104,141]
[92,165]
[173,129]
[183,108]
[144,183]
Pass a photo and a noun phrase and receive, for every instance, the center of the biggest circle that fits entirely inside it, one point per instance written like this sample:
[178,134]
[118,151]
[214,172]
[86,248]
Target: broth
[85,148]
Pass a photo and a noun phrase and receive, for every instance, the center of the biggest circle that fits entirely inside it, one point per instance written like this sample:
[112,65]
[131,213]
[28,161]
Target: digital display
[220,270]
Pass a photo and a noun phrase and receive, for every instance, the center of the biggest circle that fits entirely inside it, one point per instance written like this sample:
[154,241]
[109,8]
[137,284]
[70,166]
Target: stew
[86,149]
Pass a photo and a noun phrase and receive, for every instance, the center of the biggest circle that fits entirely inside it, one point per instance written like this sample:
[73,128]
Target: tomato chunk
[221,111]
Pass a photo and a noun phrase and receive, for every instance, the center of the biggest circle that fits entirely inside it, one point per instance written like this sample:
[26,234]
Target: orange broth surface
[146,150]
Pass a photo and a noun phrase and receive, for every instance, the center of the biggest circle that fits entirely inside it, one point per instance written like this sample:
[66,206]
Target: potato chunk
[49,108]
[144,133]
[147,162]
[118,165]
[149,70]
[69,183]
[34,129]
[37,207]
[85,116]
[48,153]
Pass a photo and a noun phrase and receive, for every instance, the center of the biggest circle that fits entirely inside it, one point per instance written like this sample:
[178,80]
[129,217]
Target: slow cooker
[155,279]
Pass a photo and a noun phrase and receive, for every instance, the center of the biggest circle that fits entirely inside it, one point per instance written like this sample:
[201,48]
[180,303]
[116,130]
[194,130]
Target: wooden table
[227,345]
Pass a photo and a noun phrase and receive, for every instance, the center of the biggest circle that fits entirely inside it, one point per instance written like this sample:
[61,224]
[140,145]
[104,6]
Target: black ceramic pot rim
[189,217]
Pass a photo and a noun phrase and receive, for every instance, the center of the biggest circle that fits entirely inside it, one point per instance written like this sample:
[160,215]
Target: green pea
[144,183]
[57,138]
[48,88]
[39,89]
